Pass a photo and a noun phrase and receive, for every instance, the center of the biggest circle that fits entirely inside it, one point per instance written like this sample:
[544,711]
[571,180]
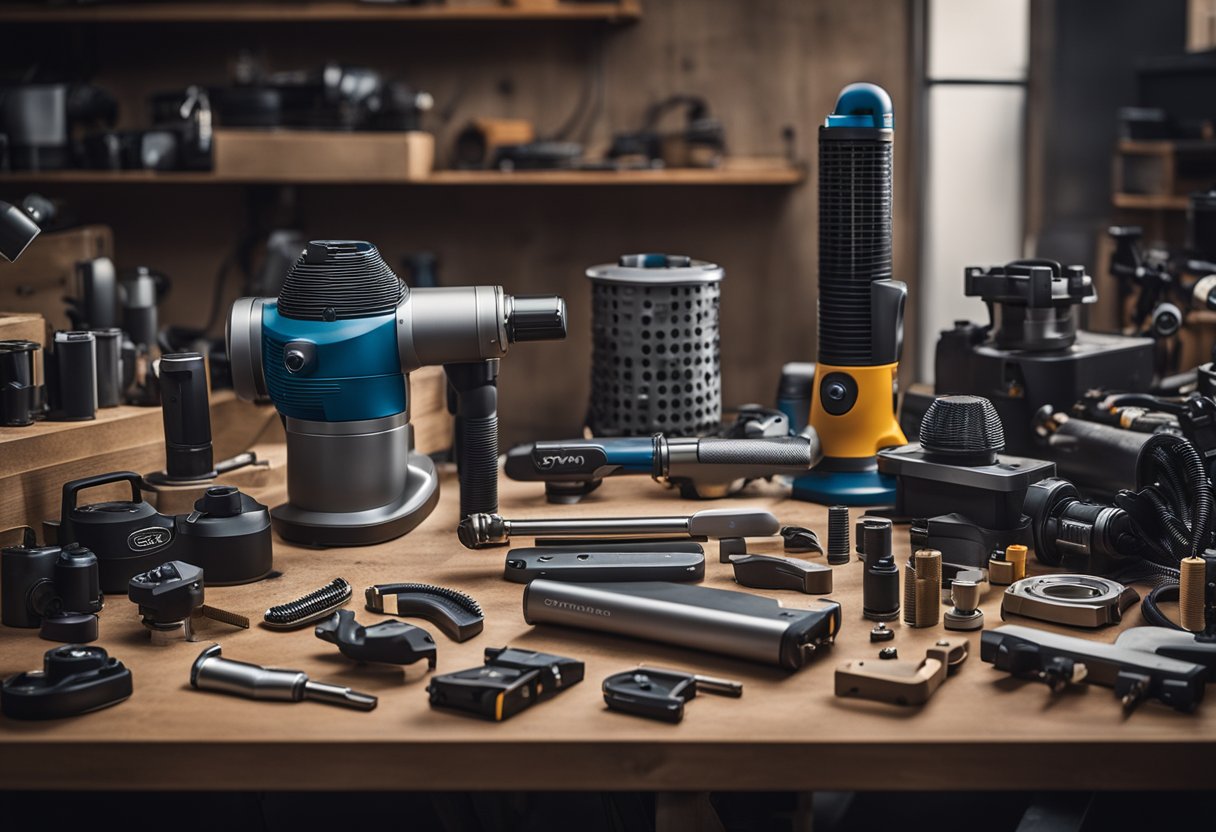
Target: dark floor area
[612,812]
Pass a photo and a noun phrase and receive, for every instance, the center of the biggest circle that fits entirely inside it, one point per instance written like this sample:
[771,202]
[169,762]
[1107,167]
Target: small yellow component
[498,707]
[1016,553]
[868,425]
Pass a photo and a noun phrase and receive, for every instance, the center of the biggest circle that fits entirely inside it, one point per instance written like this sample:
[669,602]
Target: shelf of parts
[625,11]
[782,176]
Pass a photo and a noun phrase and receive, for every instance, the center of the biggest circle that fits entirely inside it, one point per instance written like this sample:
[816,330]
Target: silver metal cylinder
[347,466]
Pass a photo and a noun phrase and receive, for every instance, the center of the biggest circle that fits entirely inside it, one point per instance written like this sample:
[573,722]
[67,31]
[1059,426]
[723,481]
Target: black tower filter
[72,377]
[187,418]
[656,358]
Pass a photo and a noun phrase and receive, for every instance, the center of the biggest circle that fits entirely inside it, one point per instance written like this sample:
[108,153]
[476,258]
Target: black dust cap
[962,430]
[339,279]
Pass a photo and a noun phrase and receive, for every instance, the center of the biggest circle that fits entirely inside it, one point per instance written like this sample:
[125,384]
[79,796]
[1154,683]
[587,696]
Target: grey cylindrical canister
[347,466]
[109,366]
[656,353]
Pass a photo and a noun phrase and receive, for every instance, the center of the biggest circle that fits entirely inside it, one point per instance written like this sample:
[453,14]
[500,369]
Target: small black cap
[962,430]
[536,318]
[69,628]
[220,501]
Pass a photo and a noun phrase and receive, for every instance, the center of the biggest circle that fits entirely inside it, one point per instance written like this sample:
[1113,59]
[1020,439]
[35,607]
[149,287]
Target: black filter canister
[73,390]
[656,351]
[183,388]
[109,366]
[20,395]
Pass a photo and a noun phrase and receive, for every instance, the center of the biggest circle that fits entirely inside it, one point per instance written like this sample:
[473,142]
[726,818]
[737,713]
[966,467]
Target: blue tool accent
[634,454]
[353,372]
[862,105]
[848,488]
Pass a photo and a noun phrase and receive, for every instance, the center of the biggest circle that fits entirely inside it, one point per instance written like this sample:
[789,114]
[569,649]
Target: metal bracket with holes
[900,682]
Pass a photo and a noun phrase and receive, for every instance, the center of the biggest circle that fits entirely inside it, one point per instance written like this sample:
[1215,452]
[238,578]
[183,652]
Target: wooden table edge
[555,765]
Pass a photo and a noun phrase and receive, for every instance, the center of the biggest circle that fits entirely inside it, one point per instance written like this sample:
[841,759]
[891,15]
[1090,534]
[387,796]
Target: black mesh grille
[961,424]
[854,243]
[335,279]
[656,359]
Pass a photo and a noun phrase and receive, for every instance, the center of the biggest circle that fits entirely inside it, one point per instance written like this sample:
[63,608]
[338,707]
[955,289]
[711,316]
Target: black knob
[220,501]
[962,430]
[536,318]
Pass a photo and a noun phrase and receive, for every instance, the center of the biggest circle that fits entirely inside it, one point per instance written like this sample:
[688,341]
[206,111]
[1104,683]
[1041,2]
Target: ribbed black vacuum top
[964,430]
[855,170]
[337,279]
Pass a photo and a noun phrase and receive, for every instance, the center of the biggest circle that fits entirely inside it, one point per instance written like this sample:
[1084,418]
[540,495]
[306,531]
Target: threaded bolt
[838,535]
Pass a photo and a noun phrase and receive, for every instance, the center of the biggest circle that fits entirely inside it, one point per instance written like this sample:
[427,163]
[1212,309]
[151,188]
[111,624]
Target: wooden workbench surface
[981,730]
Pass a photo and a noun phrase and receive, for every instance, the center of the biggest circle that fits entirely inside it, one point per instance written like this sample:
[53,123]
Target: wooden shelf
[1150,202]
[316,12]
[783,175]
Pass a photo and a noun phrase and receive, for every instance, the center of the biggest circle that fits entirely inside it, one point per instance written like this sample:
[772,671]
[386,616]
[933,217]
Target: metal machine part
[187,418]
[477,531]
[21,393]
[1058,661]
[170,599]
[334,351]
[880,588]
[861,307]
[965,614]
[655,332]
[74,680]
[610,561]
[1075,600]
[1031,352]
[770,572]
[457,615]
[510,681]
[660,694]
[308,608]
[798,539]
[881,632]
[838,535]
[211,671]
[923,598]
[1075,534]
[900,682]
[1173,644]
[228,533]
[715,620]
[390,642]
[41,582]
[702,467]
[1005,567]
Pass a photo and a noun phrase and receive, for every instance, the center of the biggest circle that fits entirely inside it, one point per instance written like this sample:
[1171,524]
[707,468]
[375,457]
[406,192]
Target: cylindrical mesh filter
[655,364]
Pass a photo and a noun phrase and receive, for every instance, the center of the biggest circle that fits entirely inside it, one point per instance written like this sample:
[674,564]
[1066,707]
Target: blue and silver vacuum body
[333,353]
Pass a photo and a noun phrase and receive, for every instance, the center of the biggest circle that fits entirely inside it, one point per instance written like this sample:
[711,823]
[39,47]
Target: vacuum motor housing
[333,353]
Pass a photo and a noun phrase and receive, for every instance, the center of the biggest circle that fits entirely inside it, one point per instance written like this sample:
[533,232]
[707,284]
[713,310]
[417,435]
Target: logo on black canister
[146,540]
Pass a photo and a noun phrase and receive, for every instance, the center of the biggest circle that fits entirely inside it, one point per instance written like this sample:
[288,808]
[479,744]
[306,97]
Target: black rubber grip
[783,451]
[478,465]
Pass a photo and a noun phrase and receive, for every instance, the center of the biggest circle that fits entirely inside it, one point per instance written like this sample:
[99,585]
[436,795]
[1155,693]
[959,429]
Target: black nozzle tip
[536,318]
[965,430]
[220,501]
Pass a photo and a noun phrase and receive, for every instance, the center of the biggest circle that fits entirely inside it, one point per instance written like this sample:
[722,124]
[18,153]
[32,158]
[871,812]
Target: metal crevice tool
[478,531]
[211,671]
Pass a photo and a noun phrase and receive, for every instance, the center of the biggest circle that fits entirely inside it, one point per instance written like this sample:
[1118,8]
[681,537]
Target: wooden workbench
[981,730]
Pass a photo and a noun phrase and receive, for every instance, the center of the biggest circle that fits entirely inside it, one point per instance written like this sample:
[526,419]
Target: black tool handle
[71,489]
[476,387]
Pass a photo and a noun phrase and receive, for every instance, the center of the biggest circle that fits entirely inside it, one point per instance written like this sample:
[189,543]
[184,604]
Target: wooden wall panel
[763,65]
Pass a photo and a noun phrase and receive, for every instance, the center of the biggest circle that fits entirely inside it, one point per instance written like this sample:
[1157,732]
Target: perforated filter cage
[656,352]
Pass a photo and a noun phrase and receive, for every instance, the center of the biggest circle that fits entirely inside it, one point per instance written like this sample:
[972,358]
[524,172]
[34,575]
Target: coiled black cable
[1172,514]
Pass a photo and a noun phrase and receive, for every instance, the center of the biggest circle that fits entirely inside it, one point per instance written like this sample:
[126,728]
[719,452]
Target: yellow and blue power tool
[860,307]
